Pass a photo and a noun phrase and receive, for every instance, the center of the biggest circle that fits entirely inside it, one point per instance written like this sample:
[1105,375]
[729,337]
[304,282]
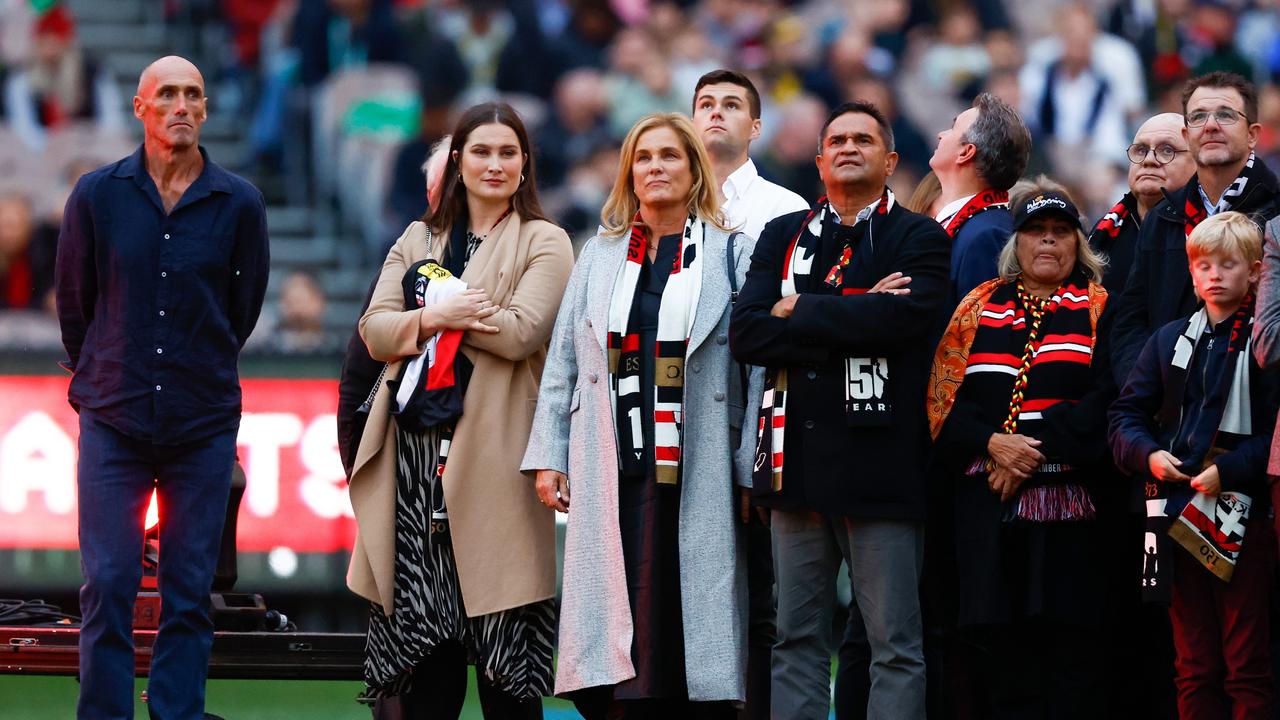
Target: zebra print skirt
[512,647]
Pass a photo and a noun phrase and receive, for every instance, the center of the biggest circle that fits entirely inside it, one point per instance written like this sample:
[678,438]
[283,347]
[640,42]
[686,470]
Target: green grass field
[29,697]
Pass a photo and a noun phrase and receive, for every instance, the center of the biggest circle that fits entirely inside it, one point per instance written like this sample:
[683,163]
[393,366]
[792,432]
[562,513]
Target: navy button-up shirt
[155,307]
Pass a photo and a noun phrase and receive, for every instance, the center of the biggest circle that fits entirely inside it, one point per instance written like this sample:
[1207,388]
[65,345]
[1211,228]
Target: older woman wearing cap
[1017,407]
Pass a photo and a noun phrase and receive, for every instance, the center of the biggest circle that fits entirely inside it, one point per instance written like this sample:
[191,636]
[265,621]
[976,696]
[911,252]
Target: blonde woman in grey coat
[640,431]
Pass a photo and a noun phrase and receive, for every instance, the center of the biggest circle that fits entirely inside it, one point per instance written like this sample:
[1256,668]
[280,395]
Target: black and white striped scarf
[675,322]
[870,374]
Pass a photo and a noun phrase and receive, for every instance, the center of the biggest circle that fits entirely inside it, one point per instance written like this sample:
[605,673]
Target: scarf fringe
[1068,502]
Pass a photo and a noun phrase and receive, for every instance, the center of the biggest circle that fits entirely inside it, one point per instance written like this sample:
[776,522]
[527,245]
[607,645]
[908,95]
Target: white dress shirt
[949,210]
[751,201]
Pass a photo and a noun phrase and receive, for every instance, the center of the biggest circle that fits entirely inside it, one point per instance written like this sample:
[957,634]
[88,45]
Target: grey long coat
[1266,320]
[573,433]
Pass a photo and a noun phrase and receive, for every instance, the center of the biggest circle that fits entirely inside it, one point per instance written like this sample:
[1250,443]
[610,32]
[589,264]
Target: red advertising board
[296,496]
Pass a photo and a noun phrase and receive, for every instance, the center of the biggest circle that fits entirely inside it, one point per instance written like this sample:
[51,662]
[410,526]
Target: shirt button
[719,397]
[697,368]
[812,375]
[159,351]
[164,274]
[592,377]
[161,313]
[166,236]
[721,339]
[157,388]
[808,424]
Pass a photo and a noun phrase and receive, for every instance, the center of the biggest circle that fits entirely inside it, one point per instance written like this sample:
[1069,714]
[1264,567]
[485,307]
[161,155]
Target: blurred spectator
[1069,100]
[576,203]
[334,34]
[586,39]
[576,127]
[639,81]
[58,85]
[850,58]
[1211,36]
[911,145]
[500,42]
[442,78]
[789,159]
[959,57]
[27,252]
[296,324]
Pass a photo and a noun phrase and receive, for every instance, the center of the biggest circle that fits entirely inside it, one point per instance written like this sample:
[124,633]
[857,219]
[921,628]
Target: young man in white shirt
[726,113]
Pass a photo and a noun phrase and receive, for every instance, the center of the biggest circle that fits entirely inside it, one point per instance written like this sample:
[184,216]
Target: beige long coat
[503,538]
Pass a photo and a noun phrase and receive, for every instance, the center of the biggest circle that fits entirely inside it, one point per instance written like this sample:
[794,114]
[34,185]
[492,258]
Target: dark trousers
[440,689]
[1222,632]
[1035,670]
[762,630]
[116,474]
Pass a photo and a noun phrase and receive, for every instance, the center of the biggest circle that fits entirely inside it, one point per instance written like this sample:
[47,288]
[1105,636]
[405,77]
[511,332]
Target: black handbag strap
[731,264]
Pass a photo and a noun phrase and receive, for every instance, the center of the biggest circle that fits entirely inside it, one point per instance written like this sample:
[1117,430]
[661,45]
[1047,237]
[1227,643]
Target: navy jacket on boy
[1135,431]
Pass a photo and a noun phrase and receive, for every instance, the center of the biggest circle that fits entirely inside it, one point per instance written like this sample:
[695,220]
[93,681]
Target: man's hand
[553,490]
[893,284]
[1015,453]
[1208,481]
[784,307]
[744,507]
[1164,466]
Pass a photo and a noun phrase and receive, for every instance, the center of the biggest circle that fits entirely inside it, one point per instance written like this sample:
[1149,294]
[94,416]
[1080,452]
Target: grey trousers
[884,560]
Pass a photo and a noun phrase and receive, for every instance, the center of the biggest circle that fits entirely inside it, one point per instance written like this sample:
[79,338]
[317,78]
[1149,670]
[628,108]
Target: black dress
[649,516]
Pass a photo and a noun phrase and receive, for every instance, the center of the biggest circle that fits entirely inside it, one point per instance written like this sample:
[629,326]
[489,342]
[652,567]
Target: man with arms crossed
[846,368]
[161,272]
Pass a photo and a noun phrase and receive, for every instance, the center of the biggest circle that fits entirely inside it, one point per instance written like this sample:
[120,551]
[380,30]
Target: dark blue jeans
[116,475]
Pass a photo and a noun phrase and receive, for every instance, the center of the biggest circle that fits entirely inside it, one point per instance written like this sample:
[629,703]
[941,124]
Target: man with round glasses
[1220,110]
[1159,162]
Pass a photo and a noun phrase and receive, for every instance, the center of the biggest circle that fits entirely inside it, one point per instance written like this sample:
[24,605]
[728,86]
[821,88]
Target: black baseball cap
[1046,203]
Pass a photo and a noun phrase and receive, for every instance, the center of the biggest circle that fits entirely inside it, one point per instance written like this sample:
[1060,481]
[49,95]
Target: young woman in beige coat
[454,550]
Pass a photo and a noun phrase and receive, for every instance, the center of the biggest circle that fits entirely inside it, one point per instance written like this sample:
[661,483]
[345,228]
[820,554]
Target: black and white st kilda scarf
[865,378]
[1195,210]
[675,321]
[1211,528]
[430,388]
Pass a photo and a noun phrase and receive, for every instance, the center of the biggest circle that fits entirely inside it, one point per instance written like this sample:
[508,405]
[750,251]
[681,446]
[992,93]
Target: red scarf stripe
[1068,338]
[983,201]
[1006,359]
[1039,404]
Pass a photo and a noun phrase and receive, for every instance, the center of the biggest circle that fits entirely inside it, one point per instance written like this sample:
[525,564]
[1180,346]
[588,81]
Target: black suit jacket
[831,466]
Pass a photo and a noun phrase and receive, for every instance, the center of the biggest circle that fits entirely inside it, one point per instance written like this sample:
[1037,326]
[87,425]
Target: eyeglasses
[1164,153]
[1224,116]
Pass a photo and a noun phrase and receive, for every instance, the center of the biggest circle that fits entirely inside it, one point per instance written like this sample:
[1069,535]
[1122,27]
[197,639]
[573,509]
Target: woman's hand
[1004,482]
[1015,453]
[1208,481]
[553,490]
[461,311]
[1164,466]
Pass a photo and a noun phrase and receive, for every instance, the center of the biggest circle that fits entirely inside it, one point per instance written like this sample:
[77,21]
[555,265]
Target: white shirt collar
[950,209]
[739,180]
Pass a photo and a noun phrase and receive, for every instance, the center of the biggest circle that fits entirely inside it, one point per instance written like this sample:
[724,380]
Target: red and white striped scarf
[675,322]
